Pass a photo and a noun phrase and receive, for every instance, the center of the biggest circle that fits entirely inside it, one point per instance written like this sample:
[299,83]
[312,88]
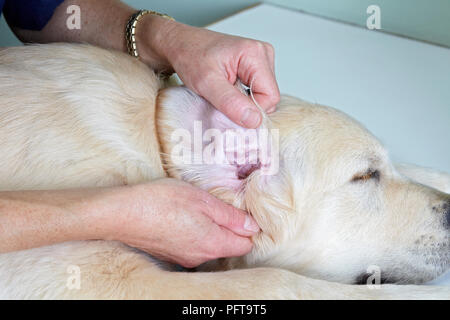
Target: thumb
[233,219]
[231,245]
[234,104]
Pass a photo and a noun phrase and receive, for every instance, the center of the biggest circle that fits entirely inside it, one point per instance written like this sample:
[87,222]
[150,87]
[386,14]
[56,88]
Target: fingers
[264,85]
[232,245]
[229,100]
[236,220]
[257,69]
[224,244]
[220,244]
[223,214]
[265,90]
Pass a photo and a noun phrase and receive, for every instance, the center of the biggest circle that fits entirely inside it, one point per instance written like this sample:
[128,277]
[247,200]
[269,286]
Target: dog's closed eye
[370,174]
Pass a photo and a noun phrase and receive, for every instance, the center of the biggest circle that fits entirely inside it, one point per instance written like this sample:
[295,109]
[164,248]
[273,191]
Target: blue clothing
[28,14]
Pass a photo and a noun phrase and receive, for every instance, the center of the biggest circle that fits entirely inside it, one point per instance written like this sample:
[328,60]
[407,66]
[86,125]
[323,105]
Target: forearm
[103,24]
[36,218]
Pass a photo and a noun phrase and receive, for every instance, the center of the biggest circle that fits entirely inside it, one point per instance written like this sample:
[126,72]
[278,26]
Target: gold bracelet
[130,31]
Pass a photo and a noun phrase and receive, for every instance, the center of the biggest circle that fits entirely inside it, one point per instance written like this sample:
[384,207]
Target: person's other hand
[209,63]
[177,222]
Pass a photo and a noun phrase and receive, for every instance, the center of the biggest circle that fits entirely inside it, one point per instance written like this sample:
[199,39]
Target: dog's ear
[204,147]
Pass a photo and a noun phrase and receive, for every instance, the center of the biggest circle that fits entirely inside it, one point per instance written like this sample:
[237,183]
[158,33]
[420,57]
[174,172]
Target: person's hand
[209,63]
[177,222]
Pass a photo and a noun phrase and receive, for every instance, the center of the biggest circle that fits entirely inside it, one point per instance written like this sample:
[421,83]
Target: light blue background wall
[427,20]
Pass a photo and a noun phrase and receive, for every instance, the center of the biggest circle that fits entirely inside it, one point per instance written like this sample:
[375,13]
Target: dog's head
[329,202]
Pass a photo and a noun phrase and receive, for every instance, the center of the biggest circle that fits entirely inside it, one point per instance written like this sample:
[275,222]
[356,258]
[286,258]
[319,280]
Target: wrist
[118,213]
[98,213]
[153,38]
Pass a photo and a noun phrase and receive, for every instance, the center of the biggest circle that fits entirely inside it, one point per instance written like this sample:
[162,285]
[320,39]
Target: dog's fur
[79,116]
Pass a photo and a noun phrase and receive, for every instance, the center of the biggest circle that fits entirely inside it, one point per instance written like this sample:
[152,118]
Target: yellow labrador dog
[334,211]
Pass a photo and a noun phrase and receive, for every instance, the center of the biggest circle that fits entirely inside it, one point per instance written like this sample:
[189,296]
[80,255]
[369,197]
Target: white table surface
[398,88]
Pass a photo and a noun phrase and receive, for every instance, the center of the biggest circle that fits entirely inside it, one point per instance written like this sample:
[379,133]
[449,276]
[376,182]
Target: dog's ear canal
[244,171]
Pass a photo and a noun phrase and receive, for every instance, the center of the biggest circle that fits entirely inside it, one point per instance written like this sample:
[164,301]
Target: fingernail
[250,224]
[250,118]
